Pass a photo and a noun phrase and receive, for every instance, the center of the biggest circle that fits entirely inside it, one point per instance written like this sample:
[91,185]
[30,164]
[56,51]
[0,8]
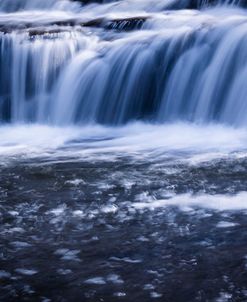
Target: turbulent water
[123,147]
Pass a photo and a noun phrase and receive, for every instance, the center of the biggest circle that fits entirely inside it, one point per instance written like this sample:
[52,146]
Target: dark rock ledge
[123,24]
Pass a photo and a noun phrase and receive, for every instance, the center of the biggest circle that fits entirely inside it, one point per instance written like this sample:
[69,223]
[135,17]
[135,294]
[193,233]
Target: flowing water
[123,145]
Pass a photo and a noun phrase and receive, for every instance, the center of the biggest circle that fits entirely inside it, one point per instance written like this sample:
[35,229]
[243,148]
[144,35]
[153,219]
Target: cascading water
[67,68]
[123,150]
[18,5]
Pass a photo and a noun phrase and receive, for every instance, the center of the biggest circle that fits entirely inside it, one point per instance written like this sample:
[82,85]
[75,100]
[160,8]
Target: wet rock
[126,24]
[123,24]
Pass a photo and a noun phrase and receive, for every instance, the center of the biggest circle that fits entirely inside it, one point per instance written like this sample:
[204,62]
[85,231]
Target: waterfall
[96,64]
[20,5]
[15,5]
[184,75]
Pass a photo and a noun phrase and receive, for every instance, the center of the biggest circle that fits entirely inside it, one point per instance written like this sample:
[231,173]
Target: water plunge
[152,64]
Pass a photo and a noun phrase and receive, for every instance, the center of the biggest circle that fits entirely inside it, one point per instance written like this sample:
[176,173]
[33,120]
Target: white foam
[68,255]
[116,279]
[109,209]
[58,211]
[96,281]
[27,272]
[119,294]
[214,202]
[226,224]
[75,182]
[138,139]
